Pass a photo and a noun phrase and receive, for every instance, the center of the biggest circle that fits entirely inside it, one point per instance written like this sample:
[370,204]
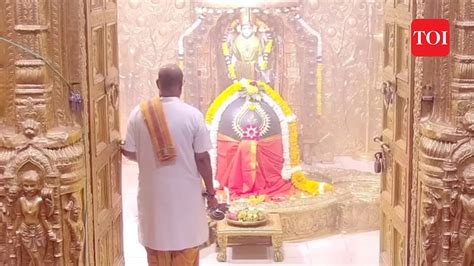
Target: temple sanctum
[332,143]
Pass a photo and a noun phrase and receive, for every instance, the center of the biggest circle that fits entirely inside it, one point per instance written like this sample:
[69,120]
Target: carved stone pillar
[42,163]
[309,60]
[446,157]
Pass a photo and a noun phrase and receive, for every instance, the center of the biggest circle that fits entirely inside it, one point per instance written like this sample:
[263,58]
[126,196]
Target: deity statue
[254,131]
[3,233]
[250,158]
[429,224]
[76,229]
[247,52]
[31,211]
[463,230]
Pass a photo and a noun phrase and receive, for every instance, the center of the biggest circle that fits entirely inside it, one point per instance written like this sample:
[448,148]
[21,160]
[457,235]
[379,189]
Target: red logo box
[430,37]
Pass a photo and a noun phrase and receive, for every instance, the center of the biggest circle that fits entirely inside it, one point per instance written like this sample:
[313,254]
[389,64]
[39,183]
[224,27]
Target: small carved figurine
[463,230]
[12,196]
[31,224]
[76,229]
[3,231]
[429,220]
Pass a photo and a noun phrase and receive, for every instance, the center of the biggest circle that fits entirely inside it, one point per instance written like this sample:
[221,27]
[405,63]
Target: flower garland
[319,89]
[228,59]
[298,179]
[232,89]
[267,50]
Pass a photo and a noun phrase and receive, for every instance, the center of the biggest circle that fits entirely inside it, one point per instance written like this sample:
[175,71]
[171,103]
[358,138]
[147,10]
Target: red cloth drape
[251,167]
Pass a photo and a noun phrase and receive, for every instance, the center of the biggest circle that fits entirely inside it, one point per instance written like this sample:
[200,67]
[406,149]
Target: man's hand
[203,163]
[212,203]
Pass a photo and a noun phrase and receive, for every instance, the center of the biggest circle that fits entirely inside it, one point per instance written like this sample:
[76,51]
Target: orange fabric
[187,257]
[251,167]
[155,121]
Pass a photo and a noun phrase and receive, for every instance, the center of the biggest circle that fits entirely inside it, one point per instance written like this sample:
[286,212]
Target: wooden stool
[272,230]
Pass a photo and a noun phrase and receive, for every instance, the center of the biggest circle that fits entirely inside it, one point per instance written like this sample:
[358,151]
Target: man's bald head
[170,81]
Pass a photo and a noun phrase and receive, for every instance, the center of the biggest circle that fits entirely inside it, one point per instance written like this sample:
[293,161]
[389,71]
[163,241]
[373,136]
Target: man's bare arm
[203,162]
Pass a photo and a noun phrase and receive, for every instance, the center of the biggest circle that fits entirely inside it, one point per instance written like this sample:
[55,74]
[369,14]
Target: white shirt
[171,209]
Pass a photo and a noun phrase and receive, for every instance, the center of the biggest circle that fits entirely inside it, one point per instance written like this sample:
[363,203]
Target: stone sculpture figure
[249,48]
[463,230]
[76,229]
[3,233]
[12,196]
[431,216]
[13,193]
[31,212]
[246,49]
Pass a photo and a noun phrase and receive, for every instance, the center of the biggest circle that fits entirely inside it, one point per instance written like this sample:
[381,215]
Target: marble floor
[344,249]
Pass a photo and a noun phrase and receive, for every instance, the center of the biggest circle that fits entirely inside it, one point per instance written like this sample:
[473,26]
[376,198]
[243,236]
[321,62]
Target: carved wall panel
[42,152]
[42,167]
[445,144]
[351,60]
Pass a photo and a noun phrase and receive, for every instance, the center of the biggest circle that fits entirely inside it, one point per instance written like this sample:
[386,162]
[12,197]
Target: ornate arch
[35,156]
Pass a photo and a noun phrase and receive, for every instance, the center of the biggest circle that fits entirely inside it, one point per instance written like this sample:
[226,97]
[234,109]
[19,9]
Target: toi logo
[430,37]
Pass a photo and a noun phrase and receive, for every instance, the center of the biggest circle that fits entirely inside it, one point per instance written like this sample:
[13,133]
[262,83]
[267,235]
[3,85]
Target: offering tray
[247,224]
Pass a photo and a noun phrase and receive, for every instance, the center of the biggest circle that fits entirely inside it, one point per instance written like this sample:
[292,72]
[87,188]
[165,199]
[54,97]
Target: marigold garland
[230,66]
[268,47]
[319,89]
[225,49]
[211,112]
[298,179]
[276,97]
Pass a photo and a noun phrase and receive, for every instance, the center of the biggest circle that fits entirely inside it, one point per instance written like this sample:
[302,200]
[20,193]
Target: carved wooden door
[105,157]
[396,139]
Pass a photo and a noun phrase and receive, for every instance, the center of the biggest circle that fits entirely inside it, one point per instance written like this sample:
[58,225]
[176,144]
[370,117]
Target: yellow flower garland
[319,89]
[298,179]
[230,66]
[276,97]
[225,49]
[216,104]
[268,47]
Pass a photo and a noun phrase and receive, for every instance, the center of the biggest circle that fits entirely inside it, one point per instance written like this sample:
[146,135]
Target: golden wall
[148,38]
[351,117]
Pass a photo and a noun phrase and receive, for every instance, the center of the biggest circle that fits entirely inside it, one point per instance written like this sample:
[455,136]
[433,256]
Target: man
[170,142]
